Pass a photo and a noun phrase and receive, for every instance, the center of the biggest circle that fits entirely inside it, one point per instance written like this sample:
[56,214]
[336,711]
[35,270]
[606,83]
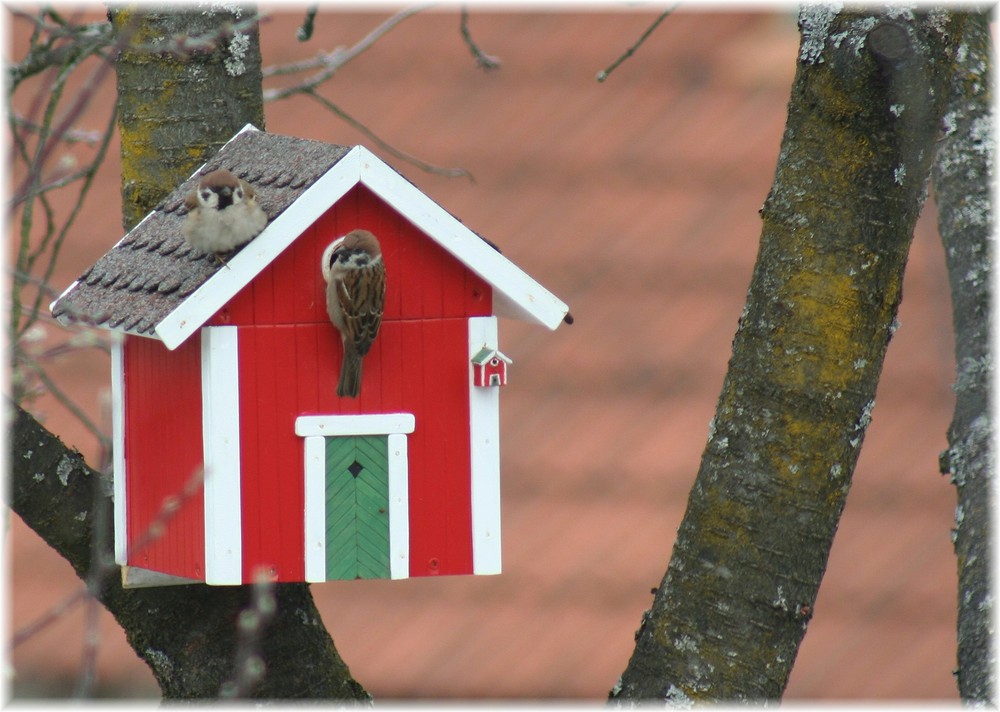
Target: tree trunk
[187,82]
[963,181]
[200,641]
[733,607]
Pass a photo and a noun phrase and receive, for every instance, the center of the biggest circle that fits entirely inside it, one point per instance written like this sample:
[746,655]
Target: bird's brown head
[359,241]
[358,247]
[220,189]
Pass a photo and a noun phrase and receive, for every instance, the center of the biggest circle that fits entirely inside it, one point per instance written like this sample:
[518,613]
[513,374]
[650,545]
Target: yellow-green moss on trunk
[735,602]
[212,60]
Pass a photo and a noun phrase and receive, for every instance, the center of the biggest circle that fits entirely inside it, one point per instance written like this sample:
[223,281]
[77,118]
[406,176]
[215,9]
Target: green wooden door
[357,507]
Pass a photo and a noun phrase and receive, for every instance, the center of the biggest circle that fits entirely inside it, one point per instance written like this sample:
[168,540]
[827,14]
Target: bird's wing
[362,297]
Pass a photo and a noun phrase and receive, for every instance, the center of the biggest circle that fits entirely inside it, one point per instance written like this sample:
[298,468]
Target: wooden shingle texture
[152,269]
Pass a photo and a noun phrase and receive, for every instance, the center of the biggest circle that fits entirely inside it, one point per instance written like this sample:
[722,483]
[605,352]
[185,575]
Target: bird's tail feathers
[350,376]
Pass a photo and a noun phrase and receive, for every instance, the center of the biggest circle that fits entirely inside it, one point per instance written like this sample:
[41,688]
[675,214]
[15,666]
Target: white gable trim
[515,293]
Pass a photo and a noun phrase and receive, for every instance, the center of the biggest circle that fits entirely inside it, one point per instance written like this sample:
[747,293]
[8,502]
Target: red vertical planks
[270,455]
[163,456]
[440,487]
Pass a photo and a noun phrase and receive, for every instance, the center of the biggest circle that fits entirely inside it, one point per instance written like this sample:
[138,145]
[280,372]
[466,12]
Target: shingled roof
[153,284]
[152,270]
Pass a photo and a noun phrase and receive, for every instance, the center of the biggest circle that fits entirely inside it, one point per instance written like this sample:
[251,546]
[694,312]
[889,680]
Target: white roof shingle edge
[516,294]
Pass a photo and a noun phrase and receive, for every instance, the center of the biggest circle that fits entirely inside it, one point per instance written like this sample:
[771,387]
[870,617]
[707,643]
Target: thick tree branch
[963,177]
[733,607]
[200,641]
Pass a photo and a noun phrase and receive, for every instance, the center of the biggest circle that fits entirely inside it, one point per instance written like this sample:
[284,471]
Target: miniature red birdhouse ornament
[490,368]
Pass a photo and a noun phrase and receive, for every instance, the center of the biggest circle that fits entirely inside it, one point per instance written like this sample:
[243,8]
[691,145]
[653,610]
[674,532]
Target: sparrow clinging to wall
[222,213]
[355,294]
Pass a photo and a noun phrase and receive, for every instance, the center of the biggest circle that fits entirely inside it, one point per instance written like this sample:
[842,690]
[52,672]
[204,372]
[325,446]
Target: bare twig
[45,129]
[64,44]
[88,176]
[67,402]
[72,136]
[486,61]
[251,623]
[87,92]
[49,617]
[91,642]
[603,74]
[331,62]
[422,165]
[328,64]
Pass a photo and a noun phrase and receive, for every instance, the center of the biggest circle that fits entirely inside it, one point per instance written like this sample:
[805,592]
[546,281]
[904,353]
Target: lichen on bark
[187,82]
[735,602]
[963,178]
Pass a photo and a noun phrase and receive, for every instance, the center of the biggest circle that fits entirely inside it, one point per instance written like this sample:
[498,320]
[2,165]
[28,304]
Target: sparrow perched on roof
[222,213]
[355,294]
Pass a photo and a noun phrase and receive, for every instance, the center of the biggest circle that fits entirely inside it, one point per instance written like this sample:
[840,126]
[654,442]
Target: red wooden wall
[290,361]
[163,452]
[423,280]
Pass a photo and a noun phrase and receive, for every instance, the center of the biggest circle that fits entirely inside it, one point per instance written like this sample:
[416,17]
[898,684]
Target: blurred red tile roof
[635,201]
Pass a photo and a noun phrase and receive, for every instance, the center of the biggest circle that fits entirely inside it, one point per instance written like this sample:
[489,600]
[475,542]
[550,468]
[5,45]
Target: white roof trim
[515,293]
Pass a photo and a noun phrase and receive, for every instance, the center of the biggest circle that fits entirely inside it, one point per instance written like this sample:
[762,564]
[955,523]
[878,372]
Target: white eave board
[516,294]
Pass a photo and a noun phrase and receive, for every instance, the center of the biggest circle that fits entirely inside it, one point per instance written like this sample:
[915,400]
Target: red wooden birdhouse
[233,455]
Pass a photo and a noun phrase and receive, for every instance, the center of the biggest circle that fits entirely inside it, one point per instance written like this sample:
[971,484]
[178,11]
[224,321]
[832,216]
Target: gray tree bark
[187,82]
[963,177]
[735,602]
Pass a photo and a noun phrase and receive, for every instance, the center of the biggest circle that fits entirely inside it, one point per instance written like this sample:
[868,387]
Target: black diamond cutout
[355,469]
